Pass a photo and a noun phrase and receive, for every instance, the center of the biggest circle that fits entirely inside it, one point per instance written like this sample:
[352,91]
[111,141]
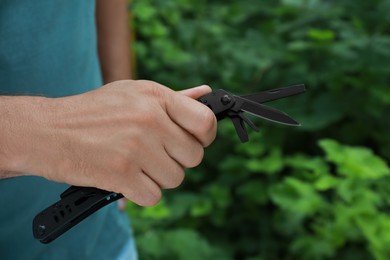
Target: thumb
[195,92]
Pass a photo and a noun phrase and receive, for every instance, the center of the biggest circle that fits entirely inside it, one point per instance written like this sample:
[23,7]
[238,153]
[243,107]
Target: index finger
[193,116]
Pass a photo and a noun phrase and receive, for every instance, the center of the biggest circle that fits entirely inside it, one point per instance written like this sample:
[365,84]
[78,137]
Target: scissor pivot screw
[226,99]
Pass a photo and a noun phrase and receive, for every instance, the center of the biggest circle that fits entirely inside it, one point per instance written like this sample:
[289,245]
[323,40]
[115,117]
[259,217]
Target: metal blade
[240,128]
[265,112]
[273,94]
[249,122]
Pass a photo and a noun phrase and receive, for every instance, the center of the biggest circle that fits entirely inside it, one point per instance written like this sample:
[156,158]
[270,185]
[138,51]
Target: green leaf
[159,211]
[296,196]
[143,11]
[189,244]
[202,207]
[298,46]
[356,162]
[253,191]
[321,35]
[178,244]
[270,164]
[219,195]
[315,165]
[181,204]
[326,182]
[313,247]
[375,229]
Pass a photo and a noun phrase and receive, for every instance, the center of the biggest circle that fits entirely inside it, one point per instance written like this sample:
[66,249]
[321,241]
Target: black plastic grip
[76,204]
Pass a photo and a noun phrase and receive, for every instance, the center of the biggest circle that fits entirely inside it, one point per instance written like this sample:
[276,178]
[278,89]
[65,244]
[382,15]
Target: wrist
[24,123]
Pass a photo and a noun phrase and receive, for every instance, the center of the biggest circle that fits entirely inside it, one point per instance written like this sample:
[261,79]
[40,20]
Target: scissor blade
[267,113]
[270,95]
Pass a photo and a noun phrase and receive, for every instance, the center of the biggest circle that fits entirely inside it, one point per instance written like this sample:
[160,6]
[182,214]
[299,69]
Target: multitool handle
[75,205]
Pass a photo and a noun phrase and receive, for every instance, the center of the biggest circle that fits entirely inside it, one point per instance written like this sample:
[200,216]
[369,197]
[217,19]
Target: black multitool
[77,203]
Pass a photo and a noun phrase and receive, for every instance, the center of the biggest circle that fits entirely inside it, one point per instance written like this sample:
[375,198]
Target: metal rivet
[41,229]
[226,99]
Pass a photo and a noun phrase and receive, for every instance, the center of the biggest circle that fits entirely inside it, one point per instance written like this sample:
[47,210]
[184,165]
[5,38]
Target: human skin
[114,45]
[113,39]
[130,137]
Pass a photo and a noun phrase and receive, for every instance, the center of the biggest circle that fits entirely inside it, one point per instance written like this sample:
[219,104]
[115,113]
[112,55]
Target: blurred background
[319,191]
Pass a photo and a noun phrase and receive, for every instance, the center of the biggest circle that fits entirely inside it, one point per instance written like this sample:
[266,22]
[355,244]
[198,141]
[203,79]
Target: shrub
[280,196]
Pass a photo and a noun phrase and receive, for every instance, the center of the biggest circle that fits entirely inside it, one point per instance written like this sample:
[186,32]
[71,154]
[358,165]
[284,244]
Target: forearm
[22,131]
[113,39]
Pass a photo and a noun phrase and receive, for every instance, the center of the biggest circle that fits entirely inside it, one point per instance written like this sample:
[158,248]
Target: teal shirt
[48,47]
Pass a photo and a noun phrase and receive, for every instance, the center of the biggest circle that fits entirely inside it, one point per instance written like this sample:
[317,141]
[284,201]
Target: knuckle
[154,89]
[147,118]
[145,83]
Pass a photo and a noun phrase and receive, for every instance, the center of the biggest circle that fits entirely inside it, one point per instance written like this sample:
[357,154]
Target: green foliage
[320,207]
[317,192]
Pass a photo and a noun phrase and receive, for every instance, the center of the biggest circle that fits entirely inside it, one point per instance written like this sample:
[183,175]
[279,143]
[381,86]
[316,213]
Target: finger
[142,190]
[196,92]
[193,116]
[161,168]
[181,146]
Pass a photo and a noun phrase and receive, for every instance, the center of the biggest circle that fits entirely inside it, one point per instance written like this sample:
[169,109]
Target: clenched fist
[130,137]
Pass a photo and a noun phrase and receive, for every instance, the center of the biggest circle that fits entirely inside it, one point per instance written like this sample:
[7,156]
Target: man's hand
[130,137]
